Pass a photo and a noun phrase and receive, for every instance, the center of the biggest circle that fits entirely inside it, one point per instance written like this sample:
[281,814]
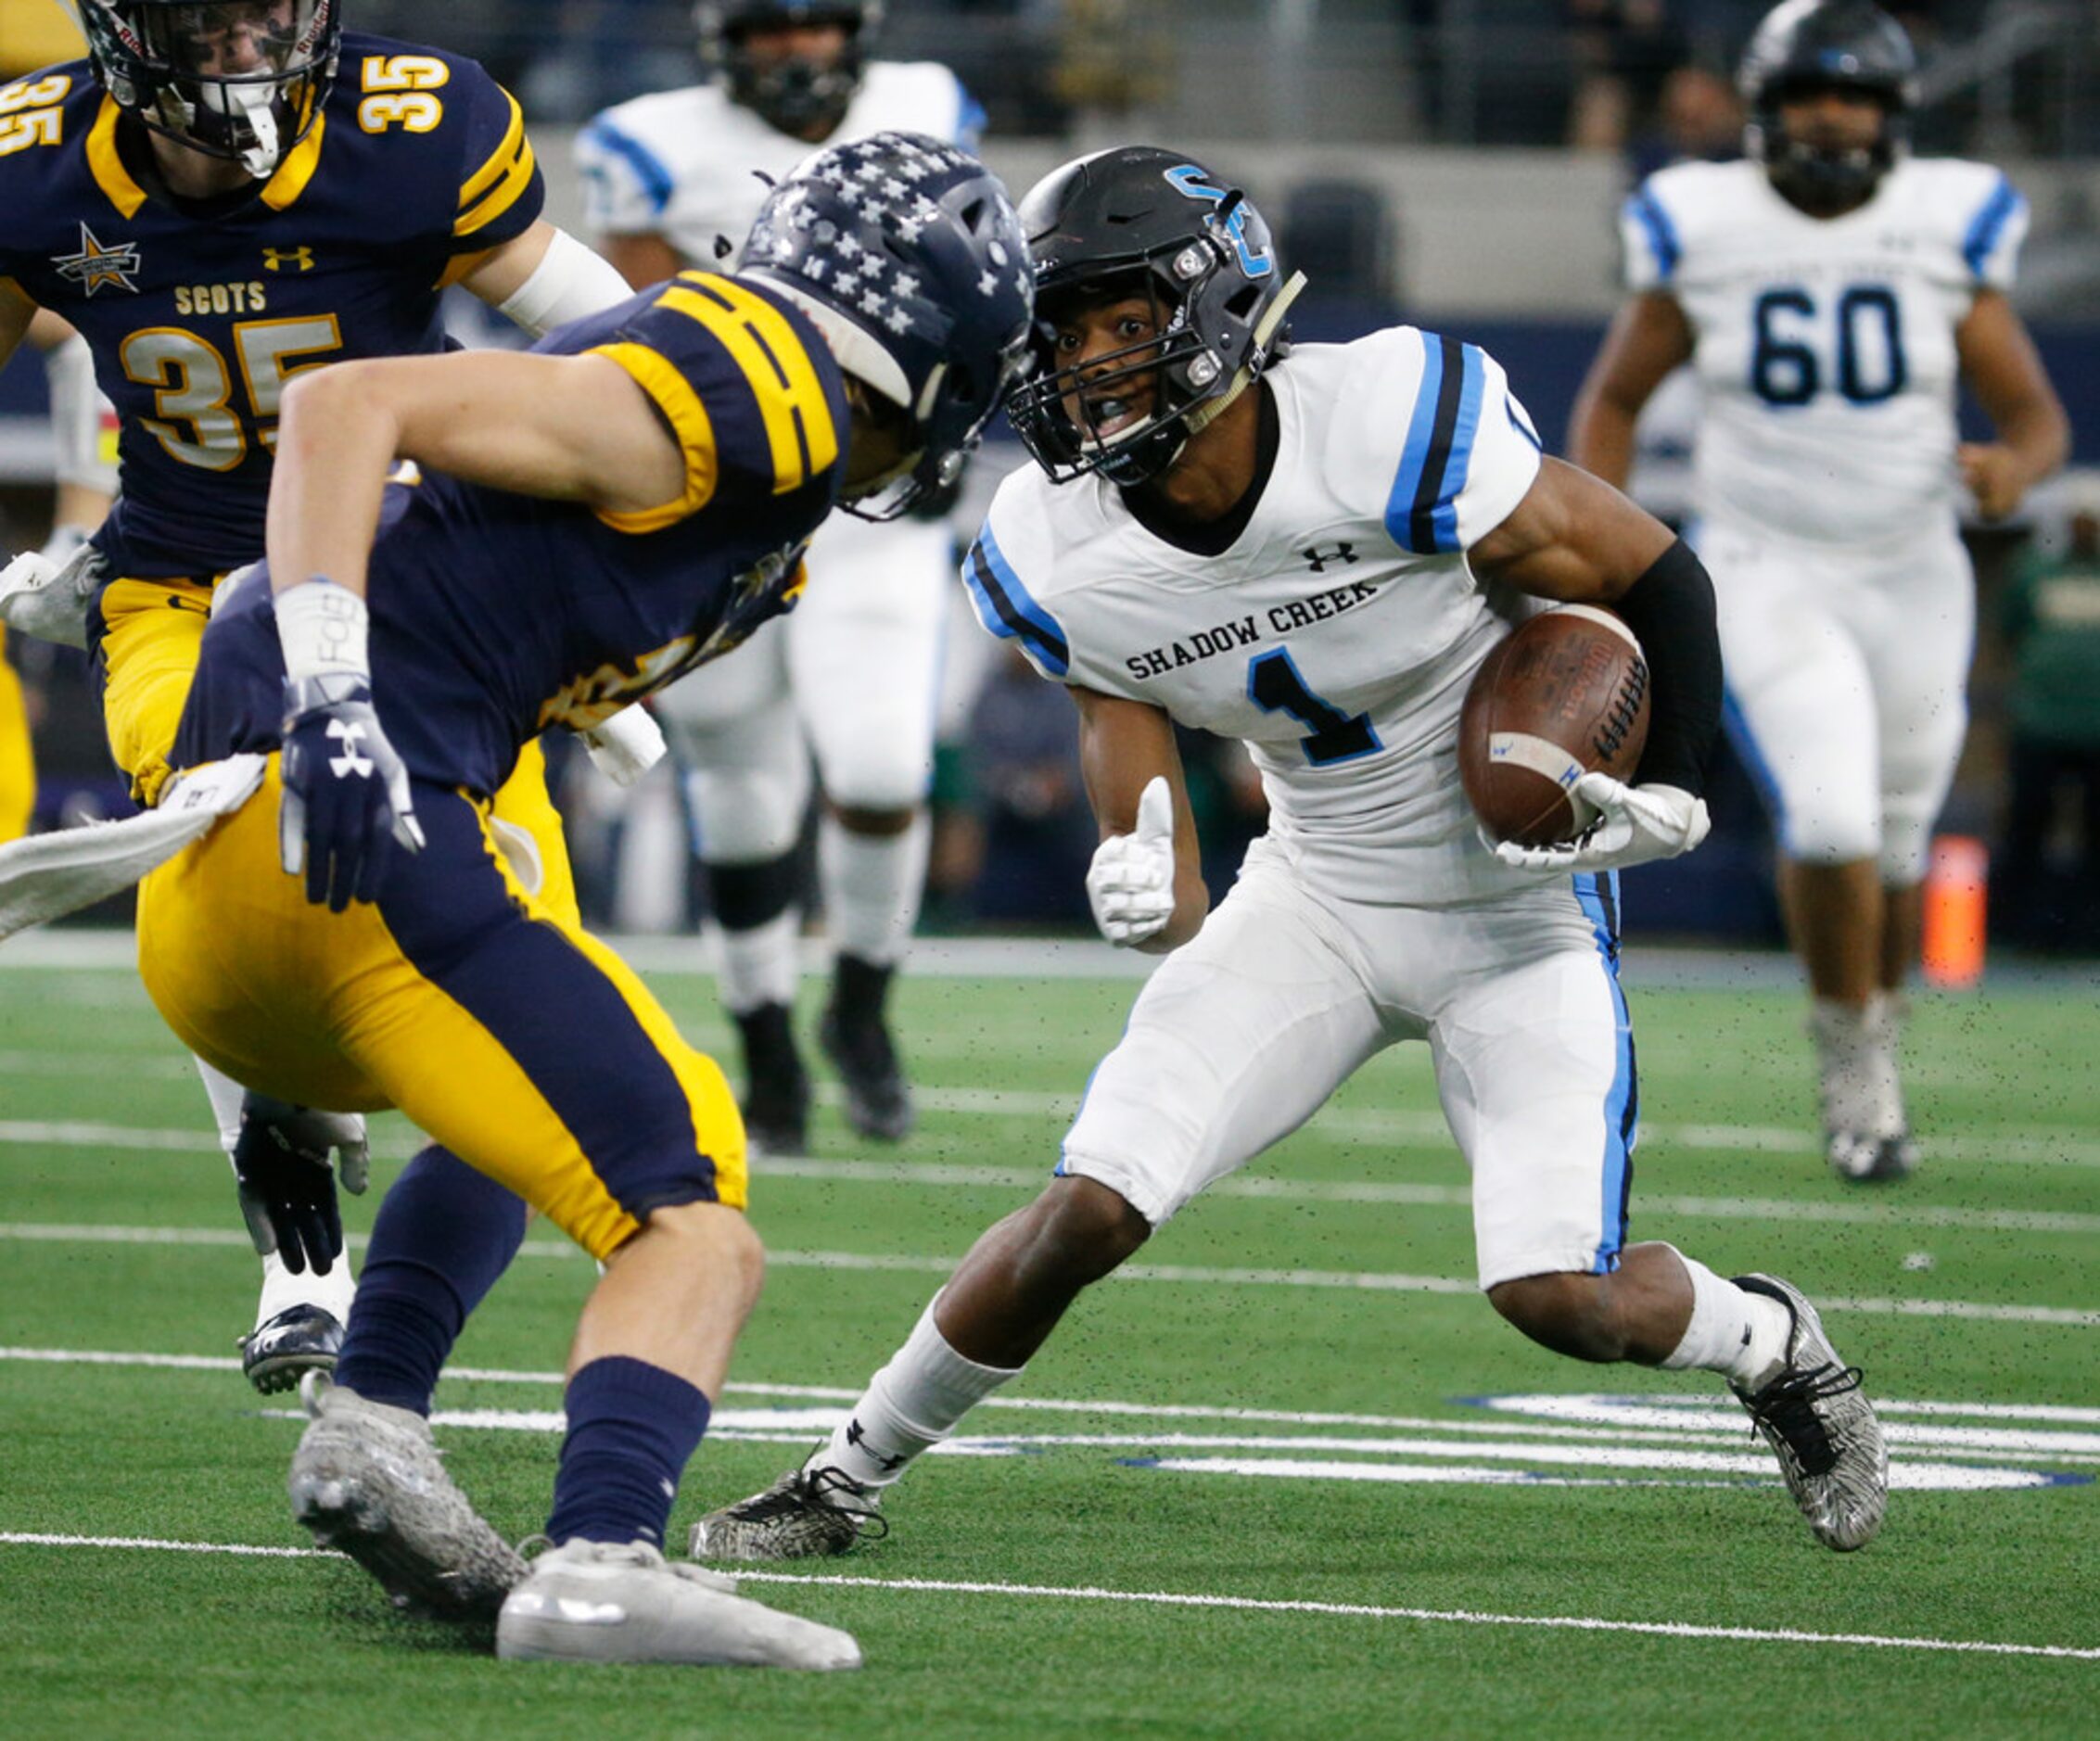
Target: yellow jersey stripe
[673,394]
[500,159]
[283,189]
[495,187]
[790,393]
[107,167]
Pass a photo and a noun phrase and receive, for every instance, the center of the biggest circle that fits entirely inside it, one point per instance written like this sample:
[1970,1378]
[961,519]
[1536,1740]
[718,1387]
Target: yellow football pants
[18,763]
[499,1026]
[152,630]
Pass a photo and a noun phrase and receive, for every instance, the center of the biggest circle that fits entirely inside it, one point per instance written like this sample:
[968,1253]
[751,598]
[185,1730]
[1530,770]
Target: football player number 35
[194,417]
[29,115]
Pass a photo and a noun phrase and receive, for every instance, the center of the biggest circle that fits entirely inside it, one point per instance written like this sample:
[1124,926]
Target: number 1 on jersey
[1274,686]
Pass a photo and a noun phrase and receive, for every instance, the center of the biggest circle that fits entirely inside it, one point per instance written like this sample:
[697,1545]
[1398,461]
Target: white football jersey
[686,164]
[1824,348]
[1337,635]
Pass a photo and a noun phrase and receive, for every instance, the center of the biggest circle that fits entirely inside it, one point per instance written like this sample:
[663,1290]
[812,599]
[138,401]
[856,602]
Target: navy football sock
[632,1429]
[443,1235]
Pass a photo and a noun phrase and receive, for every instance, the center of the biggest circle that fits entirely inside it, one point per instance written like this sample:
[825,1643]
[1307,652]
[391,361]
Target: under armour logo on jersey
[1344,551]
[297,258]
[349,733]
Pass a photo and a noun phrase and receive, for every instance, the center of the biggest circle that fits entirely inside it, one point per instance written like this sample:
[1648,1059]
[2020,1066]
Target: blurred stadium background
[1458,163]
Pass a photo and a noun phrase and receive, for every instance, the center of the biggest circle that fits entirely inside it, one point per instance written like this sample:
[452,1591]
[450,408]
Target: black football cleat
[776,1099]
[857,1040]
[284,1347]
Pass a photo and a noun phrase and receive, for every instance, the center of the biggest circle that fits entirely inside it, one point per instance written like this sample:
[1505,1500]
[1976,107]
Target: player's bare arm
[643,259]
[1123,746]
[574,428]
[16,314]
[2000,362]
[1649,337]
[1574,540]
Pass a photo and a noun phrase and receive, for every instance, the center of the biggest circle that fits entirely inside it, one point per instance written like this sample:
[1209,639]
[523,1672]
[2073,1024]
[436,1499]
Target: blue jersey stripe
[1598,896]
[1421,512]
[1443,518]
[970,123]
[648,168]
[1989,225]
[1004,606]
[1647,211]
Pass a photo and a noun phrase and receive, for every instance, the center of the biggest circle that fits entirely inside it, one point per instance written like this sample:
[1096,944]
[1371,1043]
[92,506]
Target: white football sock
[912,1403]
[281,1289]
[225,1095]
[760,965]
[1856,1057]
[1736,1333]
[872,886]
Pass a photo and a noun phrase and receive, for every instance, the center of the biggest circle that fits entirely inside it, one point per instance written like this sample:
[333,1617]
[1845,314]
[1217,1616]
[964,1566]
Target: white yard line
[1166,1599]
[1349,1281]
[939,1175]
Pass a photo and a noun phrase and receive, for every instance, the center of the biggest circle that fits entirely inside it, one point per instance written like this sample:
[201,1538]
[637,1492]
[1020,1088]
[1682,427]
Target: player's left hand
[347,800]
[48,593]
[1994,477]
[1635,825]
[626,747]
[1130,883]
[288,1189]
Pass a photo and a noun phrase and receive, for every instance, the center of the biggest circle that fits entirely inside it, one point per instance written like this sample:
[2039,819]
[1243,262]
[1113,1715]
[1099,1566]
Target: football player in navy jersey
[600,517]
[222,197]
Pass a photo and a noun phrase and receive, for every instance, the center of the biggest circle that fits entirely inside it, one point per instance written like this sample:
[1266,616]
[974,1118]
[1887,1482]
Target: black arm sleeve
[1670,609]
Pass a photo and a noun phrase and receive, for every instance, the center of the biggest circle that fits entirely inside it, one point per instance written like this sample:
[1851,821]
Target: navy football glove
[346,801]
[287,1188]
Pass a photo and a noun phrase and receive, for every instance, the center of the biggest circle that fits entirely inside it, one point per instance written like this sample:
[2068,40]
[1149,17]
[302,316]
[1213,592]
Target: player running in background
[85,479]
[851,675]
[1313,552]
[222,198]
[601,515]
[1830,292]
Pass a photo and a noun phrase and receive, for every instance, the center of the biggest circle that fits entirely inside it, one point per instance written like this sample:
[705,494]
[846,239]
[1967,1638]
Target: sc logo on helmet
[1188,181]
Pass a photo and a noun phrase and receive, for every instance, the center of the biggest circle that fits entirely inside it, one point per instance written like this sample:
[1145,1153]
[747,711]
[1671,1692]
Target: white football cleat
[623,1602]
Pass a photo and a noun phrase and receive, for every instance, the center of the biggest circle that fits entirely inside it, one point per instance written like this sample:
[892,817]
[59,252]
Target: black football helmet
[242,80]
[799,96]
[1141,219]
[907,255]
[1806,45]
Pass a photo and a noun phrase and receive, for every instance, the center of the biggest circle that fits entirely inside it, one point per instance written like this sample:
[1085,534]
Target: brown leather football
[1564,695]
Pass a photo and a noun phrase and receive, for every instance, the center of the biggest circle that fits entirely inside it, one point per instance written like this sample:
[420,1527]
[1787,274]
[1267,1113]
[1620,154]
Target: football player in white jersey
[852,674]
[1314,552]
[1829,292]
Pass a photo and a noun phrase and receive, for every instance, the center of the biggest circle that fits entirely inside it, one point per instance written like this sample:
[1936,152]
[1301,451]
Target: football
[1563,696]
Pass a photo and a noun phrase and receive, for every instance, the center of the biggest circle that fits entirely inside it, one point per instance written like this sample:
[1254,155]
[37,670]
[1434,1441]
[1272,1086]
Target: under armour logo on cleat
[348,733]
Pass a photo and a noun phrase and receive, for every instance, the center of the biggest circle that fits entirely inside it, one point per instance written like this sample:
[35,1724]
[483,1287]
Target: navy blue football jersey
[495,616]
[198,315]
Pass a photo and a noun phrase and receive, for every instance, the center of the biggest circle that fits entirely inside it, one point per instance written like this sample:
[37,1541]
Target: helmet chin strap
[1211,410]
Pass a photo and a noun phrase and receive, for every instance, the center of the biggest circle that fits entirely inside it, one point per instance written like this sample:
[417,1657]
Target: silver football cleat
[367,1479]
[1819,1424]
[806,1514]
[610,1602]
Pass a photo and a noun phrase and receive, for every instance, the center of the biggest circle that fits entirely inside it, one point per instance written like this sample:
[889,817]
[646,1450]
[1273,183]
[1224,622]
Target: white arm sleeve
[569,282]
[77,414]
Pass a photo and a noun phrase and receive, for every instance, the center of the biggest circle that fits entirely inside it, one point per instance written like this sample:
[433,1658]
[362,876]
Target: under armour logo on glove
[342,813]
[350,734]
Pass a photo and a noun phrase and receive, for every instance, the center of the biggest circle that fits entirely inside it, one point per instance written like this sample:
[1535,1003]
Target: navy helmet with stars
[907,255]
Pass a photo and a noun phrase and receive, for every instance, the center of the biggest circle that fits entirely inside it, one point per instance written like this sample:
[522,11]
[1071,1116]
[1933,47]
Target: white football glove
[1635,825]
[1130,883]
[48,593]
[626,747]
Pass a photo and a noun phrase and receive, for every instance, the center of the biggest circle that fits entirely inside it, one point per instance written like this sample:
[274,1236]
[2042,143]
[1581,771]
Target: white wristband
[323,630]
[569,282]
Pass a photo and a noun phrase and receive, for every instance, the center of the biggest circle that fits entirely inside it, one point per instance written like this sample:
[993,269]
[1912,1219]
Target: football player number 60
[193,417]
